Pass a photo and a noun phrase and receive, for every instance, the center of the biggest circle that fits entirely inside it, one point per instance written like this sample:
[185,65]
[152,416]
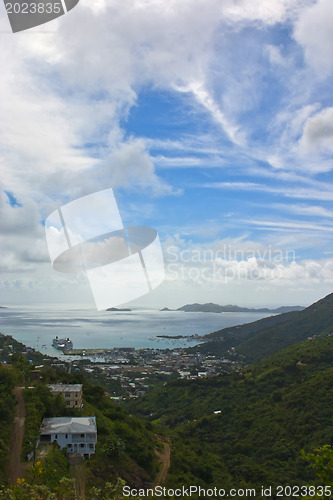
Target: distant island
[215,308]
[177,337]
[117,310]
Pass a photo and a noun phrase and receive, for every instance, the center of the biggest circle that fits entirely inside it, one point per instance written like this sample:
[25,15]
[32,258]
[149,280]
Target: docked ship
[62,343]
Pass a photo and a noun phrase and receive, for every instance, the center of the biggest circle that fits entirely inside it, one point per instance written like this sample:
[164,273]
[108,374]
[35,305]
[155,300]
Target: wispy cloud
[203,97]
[288,192]
[308,210]
[248,127]
[298,226]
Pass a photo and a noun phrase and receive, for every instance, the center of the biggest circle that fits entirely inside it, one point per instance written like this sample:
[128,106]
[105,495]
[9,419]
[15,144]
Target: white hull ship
[62,343]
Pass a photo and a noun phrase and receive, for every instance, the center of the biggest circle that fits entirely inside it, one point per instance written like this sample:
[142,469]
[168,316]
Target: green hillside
[262,338]
[244,429]
[267,414]
[125,451]
[8,380]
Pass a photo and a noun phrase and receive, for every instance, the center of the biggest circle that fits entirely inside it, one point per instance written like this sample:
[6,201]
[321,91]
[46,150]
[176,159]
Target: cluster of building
[135,371]
[76,434]
[124,372]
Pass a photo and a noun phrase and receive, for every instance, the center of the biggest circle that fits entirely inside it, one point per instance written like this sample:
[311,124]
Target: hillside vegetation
[8,380]
[264,416]
[244,429]
[125,450]
[262,338]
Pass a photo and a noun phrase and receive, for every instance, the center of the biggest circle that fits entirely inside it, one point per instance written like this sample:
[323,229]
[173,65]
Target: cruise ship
[62,343]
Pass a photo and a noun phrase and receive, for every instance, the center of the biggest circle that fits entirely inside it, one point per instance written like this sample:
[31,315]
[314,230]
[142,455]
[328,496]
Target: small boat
[62,343]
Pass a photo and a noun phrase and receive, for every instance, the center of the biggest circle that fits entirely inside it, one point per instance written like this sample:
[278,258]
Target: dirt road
[78,473]
[164,458]
[15,468]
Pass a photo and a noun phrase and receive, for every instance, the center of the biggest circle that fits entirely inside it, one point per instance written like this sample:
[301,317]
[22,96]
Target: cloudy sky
[211,119]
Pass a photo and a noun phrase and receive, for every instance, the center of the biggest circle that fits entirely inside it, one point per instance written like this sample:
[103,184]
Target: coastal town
[126,372]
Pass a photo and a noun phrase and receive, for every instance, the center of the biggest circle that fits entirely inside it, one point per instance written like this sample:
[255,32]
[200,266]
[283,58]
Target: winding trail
[164,457]
[15,468]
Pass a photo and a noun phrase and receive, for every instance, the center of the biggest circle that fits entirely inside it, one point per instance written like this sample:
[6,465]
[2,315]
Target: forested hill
[264,337]
[254,422]
[126,447]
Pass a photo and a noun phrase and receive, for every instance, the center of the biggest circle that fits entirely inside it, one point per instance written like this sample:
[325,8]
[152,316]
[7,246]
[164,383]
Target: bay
[36,326]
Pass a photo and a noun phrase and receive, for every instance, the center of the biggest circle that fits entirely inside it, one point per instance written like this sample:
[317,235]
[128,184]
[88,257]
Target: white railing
[85,439]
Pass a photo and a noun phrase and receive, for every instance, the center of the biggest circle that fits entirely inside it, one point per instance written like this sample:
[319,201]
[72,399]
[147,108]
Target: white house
[77,434]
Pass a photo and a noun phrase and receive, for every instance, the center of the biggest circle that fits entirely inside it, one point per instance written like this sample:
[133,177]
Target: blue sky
[212,120]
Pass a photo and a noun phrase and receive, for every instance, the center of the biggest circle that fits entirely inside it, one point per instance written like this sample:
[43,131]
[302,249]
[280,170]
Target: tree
[113,447]
[321,461]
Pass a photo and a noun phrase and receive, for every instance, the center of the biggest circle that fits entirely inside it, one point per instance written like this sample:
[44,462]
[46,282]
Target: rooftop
[65,387]
[68,425]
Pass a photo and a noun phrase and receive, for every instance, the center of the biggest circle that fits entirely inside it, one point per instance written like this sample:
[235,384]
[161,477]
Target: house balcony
[84,439]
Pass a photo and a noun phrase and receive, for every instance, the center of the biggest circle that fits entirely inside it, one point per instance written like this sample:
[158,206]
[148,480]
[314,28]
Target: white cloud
[69,90]
[205,99]
[23,240]
[227,262]
[180,161]
[275,56]
[296,225]
[314,33]
[318,132]
[311,210]
[291,122]
[129,164]
[77,83]
[269,13]
[288,192]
